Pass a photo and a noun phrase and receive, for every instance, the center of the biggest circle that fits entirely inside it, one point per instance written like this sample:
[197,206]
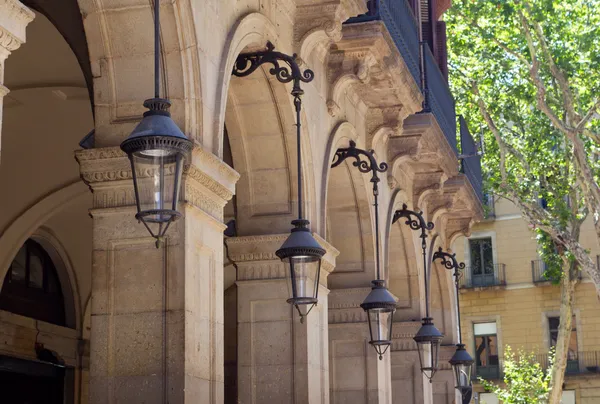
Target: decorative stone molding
[367,63]
[256,259]
[208,183]
[14,18]
[318,24]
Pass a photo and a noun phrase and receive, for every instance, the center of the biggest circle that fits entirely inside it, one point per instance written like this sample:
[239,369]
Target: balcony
[538,273]
[578,363]
[400,21]
[489,372]
[470,280]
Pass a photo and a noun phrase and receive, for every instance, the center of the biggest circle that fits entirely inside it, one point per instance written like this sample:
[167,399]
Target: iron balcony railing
[578,363]
[439,97]
[399,19]
[471,160]
[489,372]
[483,278]
[539,275]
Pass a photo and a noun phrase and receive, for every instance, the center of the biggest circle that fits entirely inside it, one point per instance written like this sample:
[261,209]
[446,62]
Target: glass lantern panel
[380,326]
[462,374]
[303,276]
[158,172]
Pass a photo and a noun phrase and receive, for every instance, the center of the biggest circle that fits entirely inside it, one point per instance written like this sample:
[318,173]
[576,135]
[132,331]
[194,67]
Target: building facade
[92,312]
[506,300]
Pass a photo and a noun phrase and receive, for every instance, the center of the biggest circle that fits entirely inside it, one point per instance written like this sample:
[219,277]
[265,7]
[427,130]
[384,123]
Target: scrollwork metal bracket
[449,262]
[415,221]
[289,71]
[364,166]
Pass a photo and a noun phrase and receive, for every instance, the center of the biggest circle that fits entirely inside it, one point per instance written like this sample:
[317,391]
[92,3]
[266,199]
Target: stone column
[357,375]
[280,359]
[157,314]
[14,17]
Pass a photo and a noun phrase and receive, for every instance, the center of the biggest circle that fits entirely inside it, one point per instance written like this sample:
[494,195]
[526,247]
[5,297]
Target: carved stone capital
[319,23]
[256,259]
[367,64]
[14,18]
[207,183]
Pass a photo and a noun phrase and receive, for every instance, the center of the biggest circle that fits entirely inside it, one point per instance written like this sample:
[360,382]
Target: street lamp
[461,361]
[301,253]
[428,338]
[157,150]
[379,305]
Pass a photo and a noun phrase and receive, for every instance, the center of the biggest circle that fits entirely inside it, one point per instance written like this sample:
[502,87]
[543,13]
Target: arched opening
[31,286]
[349,226]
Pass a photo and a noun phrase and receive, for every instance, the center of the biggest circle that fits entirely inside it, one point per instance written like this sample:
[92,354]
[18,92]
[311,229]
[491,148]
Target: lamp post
[380,305]
[157,150]
[301,253]
[461,361]
[428,338]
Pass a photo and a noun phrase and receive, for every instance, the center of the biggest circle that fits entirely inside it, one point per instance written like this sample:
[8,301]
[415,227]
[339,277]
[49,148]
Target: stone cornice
[108,172]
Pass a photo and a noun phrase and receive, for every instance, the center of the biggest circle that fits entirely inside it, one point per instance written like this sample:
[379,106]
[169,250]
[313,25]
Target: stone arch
[251,30]
[260,121]
[27,223]
[347,214]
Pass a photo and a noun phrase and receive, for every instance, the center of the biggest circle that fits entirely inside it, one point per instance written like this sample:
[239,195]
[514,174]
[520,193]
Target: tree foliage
[528,75]
[525,380]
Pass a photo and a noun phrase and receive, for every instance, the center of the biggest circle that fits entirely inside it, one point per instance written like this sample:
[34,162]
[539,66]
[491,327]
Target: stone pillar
[357,375]
[14,17]
[280,359]
[157,313]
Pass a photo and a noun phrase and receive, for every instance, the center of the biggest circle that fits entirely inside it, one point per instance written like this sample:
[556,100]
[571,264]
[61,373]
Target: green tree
[528,73]
[525,380]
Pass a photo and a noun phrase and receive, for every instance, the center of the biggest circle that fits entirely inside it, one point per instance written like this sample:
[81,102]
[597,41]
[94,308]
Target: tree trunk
[567,292]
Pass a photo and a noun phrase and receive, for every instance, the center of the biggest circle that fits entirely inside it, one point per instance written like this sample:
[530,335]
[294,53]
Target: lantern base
[157,221]
[381,347]
[304,305]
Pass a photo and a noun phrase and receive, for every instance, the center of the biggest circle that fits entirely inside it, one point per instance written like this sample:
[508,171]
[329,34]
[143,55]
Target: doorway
[29,382]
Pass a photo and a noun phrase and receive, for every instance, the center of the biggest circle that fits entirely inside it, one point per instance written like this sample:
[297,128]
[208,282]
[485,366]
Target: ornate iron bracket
[364,166]
[415,221]
[449,262]
[247,63]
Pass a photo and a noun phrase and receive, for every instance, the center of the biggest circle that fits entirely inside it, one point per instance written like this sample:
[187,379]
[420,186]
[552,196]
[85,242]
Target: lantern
[302,255]
[380,306]
[462,365]
[157,150]
[428,341]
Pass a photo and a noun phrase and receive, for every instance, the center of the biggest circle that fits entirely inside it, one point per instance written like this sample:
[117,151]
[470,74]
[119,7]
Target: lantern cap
[379,298]
[157,131]
[300,243]
[428,332]
[461,356]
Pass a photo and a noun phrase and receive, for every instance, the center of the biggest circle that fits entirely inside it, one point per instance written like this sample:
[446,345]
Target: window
[482,262]
[482,259]
[31,287]
[486,350]
[553,325]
